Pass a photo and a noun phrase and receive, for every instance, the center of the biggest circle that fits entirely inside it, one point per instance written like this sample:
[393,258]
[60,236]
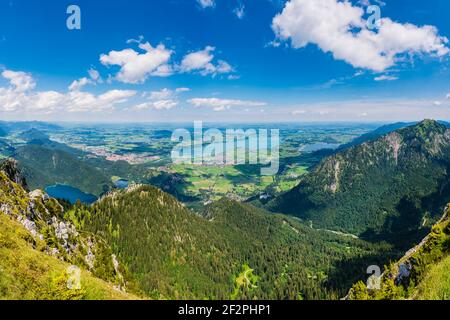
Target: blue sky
[224,60]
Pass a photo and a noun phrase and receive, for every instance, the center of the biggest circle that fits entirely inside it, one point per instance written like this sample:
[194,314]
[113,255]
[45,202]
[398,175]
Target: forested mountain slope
[232,250]
[381,189]
[43,166]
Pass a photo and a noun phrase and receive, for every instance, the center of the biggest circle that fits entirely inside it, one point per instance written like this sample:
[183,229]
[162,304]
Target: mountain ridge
[348,190]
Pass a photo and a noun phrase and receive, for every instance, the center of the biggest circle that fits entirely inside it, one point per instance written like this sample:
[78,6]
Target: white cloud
[164,99]
[206,3]
[222,104]
[77,101]
[117,96]
[202,62]
[21,98]
[20,81]
[223,67]
[386,77]
[199,60]
[437,103]
[162,94]
[52,101]
[158,105]
[297,112]
[136,67]
[239,11]
[94,77]
[79,84]
[447,96]
[165,93]
[338,27]
[139,40]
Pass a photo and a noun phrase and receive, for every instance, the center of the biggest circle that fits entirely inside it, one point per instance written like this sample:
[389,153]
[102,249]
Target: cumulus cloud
[20,96]
[136,67]
[164,99]
[202,62]
[79,84]
[94,77]
[222,104]
[20,81]
[206,3]
[162,94]
[78,101]
[165,93]
[158,105]
[338,27]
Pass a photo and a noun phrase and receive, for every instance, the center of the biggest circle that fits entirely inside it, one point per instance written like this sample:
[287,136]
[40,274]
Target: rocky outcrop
[10,168]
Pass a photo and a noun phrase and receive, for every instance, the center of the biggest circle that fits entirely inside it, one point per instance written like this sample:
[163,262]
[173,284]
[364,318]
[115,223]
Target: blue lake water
[121,184]
[70,194]
[318,146]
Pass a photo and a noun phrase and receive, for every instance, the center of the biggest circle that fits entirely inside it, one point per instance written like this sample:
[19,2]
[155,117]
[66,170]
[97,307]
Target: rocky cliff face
[10,169]
[45,219]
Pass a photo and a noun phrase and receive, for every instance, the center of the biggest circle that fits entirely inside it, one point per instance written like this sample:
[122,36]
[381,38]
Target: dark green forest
[175,253]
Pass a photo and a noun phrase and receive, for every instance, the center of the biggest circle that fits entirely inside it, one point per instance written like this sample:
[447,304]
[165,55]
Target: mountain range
[364,205]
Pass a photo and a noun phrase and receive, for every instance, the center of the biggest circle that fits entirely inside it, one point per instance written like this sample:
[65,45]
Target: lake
[121,184]
[69,193]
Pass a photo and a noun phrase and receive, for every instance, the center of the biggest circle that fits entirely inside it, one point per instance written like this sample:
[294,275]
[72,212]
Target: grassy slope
[428,267]
[436,285]
[26,273]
